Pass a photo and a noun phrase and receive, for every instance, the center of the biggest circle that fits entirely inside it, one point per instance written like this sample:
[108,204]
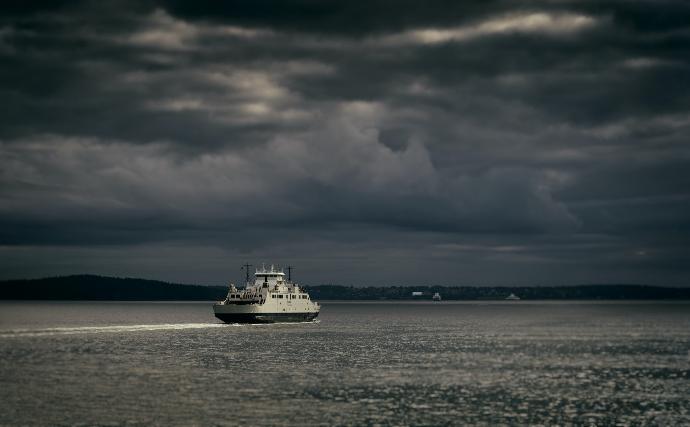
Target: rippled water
[362,364]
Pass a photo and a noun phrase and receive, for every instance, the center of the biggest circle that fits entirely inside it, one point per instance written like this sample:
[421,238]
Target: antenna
[289,269]
[245,267]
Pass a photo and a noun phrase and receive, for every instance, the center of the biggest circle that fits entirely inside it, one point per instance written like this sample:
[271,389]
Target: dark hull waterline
[266,317]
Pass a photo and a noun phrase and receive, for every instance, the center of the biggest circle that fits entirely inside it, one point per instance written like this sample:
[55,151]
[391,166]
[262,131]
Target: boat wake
[15,333]
[105,329]
[311,322]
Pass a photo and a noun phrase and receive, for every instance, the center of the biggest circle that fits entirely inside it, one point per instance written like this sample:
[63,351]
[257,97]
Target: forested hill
[90,287]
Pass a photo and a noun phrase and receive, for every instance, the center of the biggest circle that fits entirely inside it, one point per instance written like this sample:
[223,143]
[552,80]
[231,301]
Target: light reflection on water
[363,364]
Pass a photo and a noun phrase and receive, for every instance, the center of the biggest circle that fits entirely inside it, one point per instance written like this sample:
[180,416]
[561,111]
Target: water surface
[386,363]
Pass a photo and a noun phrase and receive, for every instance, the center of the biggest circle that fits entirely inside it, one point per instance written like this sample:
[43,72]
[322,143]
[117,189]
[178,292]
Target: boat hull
[266,317]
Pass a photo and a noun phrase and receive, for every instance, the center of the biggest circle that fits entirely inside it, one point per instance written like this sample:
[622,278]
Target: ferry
[436,297]
[270,298]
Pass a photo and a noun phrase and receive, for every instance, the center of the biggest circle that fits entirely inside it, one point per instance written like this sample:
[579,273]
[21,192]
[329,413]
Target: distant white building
[417,294]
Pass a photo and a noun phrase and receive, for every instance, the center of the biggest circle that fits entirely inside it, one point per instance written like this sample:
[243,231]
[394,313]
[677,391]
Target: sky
[364,142]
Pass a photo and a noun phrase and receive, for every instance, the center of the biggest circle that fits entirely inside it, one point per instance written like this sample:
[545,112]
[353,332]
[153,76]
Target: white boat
[436,297]
[512,297]
[269,298]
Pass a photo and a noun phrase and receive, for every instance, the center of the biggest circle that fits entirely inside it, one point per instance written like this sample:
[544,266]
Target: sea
[360,364]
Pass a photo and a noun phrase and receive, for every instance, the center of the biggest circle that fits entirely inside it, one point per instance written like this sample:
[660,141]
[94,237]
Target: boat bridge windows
[289,296]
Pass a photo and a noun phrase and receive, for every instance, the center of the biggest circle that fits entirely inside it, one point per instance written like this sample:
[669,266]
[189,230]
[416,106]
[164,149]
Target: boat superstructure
[269,298]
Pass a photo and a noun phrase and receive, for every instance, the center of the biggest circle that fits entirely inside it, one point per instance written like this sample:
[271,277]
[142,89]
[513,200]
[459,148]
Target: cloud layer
[459,144]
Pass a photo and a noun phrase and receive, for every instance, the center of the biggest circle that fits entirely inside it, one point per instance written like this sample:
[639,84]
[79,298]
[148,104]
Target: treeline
[614,292]
[94,288]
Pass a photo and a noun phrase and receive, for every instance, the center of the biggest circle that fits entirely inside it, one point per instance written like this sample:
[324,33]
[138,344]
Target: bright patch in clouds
[163,31]
[541,22]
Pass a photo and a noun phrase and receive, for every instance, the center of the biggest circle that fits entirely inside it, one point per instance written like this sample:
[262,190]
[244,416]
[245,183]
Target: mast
[289,269]
[245,267]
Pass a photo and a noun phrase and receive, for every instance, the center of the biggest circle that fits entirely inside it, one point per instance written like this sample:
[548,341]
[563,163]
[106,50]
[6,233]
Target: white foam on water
[11,333]
[106,329]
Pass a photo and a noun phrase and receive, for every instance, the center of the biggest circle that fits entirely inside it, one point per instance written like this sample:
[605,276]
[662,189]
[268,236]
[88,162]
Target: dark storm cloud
[339,17]
[507,141]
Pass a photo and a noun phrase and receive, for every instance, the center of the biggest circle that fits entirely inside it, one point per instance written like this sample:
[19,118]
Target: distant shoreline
[368,301]
[101,288]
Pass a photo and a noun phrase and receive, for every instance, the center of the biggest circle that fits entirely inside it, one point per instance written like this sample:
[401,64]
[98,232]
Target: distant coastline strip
[101,288]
